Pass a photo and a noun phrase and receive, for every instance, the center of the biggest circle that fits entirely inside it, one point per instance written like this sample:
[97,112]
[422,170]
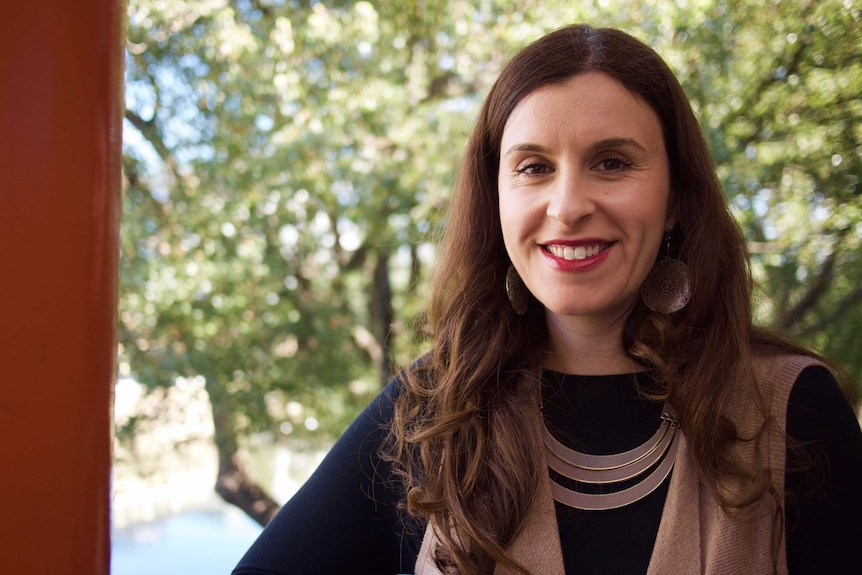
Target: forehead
[588,106]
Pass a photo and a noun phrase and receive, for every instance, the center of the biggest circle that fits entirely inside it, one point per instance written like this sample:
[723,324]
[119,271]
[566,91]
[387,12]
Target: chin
[612,314]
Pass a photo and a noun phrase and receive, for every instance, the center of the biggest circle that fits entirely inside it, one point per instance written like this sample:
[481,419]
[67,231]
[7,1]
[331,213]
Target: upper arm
[823,477]
[344,518]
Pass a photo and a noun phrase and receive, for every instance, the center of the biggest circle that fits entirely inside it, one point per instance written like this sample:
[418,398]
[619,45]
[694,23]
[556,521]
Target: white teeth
[575,253]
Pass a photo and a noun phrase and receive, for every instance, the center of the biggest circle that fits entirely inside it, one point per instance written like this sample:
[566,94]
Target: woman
[592,404]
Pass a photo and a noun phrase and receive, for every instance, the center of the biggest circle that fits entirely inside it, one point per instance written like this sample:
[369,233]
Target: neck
[584,349]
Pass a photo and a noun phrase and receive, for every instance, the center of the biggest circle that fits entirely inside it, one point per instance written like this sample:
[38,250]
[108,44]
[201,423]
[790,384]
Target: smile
[576,252]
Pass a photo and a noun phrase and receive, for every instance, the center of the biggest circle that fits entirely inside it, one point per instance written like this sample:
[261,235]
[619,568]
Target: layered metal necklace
[619,479]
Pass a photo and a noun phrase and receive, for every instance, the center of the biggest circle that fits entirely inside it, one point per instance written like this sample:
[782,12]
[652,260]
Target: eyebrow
[606,143]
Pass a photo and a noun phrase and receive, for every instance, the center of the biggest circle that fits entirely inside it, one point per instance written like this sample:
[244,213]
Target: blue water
[205,542]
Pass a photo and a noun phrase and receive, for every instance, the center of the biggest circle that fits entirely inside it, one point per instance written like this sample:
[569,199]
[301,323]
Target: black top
[344,519]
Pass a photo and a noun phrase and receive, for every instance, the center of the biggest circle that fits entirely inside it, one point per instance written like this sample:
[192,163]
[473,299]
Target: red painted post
[60,144]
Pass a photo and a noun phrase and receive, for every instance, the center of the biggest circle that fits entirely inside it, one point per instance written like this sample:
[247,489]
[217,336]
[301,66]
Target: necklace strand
[657,453]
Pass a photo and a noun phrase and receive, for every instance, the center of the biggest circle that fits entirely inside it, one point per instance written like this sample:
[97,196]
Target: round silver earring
[666,288]
[519,297]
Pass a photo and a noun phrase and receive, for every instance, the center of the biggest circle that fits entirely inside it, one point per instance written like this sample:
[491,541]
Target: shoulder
[764,387]
[803,394]
[777,374]
[776,388]
[774,367]
[381,409]
[817,407]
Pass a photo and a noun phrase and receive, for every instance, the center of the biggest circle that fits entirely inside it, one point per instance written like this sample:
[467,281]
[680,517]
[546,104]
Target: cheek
[507,211]
[647,210]
[508,227]
[512,224]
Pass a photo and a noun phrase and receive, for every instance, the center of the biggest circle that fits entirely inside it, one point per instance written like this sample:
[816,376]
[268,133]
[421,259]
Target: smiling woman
[560,424]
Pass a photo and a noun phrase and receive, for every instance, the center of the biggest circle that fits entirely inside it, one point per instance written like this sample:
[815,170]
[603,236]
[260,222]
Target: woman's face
[584,191]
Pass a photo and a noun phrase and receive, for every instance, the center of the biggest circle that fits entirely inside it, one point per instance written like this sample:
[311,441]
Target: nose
[570,199]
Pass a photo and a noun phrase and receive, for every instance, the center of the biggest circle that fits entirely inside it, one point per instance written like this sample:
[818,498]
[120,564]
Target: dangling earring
[519,297]
[666,288]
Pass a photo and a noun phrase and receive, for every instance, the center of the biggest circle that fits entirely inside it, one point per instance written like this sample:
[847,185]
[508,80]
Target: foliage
[783,116]
[286,162]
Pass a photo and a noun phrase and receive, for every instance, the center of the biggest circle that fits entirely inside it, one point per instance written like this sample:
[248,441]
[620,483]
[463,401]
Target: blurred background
[286,163]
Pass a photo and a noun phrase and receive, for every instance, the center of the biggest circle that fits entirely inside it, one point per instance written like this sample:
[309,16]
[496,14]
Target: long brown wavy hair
[458,440]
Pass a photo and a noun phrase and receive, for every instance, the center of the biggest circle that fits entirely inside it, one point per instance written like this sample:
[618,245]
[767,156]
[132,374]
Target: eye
[532,168]
[613,163]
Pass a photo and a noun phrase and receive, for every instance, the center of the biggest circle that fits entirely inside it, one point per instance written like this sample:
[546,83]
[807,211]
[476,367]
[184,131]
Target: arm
[344,519]
[823,478]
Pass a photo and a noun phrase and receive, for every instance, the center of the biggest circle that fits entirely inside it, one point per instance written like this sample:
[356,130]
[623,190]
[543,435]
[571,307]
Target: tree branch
[812,295]
[150,132]
[841,311]
[816,290]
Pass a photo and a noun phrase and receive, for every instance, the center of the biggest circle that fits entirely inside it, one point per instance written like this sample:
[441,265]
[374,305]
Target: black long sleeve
[344,518]
[823,479]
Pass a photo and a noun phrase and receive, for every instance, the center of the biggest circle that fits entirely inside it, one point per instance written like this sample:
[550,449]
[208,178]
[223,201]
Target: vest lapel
[425,560]
[537,545]
[678,542]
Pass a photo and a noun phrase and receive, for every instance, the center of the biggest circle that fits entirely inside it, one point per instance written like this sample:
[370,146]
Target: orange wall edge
[61,110]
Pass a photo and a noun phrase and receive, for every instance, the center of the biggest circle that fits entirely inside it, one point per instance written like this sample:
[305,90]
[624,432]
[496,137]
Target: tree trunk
[382,314]
[233,483]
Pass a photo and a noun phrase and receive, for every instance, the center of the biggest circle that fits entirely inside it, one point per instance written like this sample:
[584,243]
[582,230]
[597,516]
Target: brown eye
[613,164]
[532,168]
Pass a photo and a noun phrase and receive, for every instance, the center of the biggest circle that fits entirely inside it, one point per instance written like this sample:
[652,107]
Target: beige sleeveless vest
[695,537]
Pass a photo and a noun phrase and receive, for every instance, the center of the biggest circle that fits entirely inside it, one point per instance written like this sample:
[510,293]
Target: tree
[295,158]
[286,164]
[781,99]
